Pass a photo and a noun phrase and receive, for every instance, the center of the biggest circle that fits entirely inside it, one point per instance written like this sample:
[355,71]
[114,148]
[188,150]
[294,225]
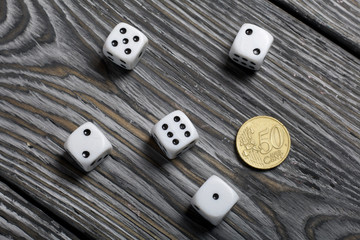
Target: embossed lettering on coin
[263,142]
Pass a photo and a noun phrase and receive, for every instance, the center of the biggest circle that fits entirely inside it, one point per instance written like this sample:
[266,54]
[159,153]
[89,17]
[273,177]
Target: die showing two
[88,146]
[250,46]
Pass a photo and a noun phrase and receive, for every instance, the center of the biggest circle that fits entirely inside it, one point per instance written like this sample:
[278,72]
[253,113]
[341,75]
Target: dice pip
[88,146]
[250,46]
[125,45]
[214,199]
[174,134]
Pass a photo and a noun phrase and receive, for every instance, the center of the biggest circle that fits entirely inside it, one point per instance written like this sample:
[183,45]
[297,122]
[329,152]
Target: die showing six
[175,134]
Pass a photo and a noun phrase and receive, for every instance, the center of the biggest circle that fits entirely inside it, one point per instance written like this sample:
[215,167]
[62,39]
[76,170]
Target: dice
[251,46]
[214,199]
[174,134]
[125,46]
[88,146]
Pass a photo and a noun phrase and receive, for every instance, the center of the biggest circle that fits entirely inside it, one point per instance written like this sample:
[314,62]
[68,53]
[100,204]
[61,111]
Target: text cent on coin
[263,142]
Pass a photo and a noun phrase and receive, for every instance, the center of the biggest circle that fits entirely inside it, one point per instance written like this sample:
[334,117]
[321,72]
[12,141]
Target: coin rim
[238,144]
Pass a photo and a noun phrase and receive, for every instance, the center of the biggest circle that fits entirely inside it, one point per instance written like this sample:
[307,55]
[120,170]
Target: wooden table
[53,78]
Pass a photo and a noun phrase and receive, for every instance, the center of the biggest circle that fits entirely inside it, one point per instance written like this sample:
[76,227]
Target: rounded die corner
[120,24]
[177,111]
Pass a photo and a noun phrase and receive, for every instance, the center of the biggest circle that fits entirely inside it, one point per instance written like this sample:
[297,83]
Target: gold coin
[263,142]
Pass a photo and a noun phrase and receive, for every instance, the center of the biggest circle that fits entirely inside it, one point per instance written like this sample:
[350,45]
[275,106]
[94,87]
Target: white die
[214,199]
[125,45]
[174,134]
[88,146]
[250,46]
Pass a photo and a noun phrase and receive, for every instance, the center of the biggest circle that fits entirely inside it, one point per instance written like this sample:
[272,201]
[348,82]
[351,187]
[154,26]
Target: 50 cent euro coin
[263,142]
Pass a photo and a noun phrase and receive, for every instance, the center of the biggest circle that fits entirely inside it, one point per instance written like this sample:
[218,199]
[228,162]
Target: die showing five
[125,45]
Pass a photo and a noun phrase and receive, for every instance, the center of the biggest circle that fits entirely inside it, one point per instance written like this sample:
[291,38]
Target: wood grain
[22,220]
[53,78]
[338,20]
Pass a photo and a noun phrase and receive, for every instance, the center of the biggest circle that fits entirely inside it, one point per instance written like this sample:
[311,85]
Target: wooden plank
[338,20]
[21,220]
[53,78]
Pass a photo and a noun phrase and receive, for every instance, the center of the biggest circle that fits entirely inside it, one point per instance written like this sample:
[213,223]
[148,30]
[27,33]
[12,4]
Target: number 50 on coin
[263,142]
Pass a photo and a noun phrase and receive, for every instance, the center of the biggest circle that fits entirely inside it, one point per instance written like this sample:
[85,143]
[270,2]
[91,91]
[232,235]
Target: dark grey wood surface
[53,78]
[338,20]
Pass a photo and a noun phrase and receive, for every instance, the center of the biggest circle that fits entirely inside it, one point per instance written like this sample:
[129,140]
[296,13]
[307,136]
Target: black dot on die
[114,43]
[85,154]
[182,126]
[256,51]
[215,196]
[248,31]
[176,118]
[164,126]
[170,134]
[122,30]
[125,41]
[127,51]
[136,39]
[187,134]
[175,142]
[87,132]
